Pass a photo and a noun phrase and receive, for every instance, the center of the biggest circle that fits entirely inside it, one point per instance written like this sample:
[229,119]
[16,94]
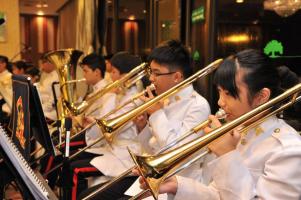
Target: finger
[149,92]
[143,98]
[207,129]
[214,121]
[135,172]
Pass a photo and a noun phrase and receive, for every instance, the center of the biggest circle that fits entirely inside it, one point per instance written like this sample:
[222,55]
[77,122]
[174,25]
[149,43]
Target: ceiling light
[284,8]
[40,13]
[132,17]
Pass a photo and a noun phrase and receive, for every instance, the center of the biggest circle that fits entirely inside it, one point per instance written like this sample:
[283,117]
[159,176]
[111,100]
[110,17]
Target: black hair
[259,73]
[108,56]
[174,55]
[291,115]
[94,62]
[289,77]
[4,59]
[33,71]
[125,62]
[21,65]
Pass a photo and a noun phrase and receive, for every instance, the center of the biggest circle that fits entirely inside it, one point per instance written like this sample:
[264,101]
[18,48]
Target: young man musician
[262,163]
[170,64]
[93,69]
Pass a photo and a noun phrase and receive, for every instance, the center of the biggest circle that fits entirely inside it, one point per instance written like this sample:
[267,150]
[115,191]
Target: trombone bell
[147,172]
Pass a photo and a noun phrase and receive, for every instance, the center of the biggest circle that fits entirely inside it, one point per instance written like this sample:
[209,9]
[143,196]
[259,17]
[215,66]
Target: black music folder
[28,118]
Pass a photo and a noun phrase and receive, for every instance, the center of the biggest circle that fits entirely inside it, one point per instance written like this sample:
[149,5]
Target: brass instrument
[155,169]
[65,61]
[110,126]
[220,115]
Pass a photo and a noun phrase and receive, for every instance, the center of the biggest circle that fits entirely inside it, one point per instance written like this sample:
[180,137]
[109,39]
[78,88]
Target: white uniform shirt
[98,109]
[46,94]
[6,91]
[118,155]
[184,111]
[268,167]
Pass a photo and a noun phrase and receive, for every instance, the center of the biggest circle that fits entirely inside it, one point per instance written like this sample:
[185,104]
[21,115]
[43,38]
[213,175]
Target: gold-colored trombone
[109,126]
[155,169]
[220,115]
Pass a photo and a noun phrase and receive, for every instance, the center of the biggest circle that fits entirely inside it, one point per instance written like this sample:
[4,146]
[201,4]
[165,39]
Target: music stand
[28,117]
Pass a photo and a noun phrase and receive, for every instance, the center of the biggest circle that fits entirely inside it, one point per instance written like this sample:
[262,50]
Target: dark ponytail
[292,115]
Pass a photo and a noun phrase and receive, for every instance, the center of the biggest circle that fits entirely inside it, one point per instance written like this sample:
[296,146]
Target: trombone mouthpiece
[221,115]
[152,87]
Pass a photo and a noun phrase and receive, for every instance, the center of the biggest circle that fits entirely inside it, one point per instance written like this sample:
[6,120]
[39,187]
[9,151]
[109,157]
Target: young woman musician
[262,163]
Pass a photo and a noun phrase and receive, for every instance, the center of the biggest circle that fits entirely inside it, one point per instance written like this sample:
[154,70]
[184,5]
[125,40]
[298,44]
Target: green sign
[273,49]
[196,56]
[198,15]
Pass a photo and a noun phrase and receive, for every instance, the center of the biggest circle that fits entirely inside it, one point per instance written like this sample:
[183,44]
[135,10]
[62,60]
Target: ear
[178,76]
[262,96]
[98,72]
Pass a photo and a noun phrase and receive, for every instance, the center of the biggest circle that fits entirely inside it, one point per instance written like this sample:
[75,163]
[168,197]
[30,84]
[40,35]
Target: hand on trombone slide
[140,121]
[170,185]
[225,143]
[150,95]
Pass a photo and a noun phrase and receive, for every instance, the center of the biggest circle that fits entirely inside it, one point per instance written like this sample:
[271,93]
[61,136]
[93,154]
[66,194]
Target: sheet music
[34,184]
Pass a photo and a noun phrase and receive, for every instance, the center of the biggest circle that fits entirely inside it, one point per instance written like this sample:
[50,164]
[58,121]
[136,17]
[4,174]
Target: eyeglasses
[156,74]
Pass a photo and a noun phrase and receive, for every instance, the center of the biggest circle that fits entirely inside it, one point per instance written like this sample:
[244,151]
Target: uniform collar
[100,85]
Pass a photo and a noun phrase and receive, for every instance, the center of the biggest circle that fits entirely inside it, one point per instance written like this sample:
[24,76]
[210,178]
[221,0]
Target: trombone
[220,115]
[155,169]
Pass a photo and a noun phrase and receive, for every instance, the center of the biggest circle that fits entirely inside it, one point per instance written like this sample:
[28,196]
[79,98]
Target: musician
[48,77]
[6,92]
[94,68]
[118,156]
[262,163]
[170,64]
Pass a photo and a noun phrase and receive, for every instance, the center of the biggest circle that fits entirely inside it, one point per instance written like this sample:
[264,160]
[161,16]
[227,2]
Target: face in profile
[115,74]
[91,76]
[47,66]
[17,71]
[236,106]
[162,78]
